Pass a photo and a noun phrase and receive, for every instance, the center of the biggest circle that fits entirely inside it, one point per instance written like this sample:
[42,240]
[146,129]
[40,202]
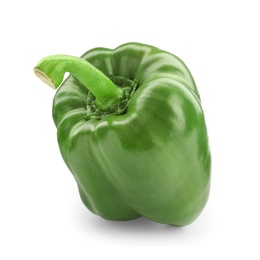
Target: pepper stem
[51,70]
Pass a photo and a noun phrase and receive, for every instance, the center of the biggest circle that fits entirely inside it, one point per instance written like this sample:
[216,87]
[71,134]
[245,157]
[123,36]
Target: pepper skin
[146,153]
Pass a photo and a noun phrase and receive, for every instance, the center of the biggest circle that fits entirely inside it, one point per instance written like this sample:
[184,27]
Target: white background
[41,215]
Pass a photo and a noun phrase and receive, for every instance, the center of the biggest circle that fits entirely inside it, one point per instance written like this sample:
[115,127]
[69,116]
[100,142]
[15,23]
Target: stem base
[128,86]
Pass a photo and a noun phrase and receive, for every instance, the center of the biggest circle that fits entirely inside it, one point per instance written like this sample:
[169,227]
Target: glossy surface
[154,160]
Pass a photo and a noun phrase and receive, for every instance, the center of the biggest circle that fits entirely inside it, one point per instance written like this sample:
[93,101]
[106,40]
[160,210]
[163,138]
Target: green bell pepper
[131,130]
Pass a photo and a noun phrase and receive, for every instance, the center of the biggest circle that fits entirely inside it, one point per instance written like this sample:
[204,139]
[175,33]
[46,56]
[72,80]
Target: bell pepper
[131,130]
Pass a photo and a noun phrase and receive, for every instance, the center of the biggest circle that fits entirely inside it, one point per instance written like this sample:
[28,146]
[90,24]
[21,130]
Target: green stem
[51,70]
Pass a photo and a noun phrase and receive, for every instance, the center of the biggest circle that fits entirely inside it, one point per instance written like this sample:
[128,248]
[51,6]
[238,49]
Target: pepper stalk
[51,70]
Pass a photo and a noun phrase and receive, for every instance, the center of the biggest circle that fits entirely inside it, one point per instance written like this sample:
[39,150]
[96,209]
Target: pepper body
[149,156]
